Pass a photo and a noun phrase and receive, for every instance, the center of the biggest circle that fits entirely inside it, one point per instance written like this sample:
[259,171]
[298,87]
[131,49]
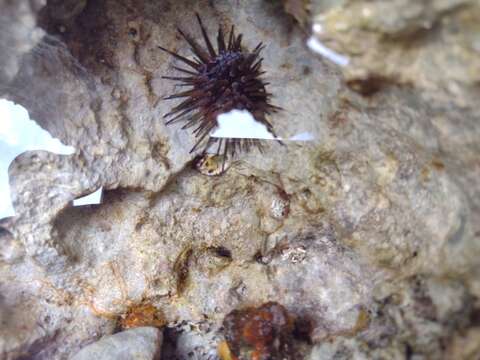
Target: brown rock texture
[370,232]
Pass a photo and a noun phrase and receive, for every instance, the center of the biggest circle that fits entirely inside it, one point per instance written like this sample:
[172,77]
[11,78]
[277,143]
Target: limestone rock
[19,35]
[369,232]
[406,42]
[138,343]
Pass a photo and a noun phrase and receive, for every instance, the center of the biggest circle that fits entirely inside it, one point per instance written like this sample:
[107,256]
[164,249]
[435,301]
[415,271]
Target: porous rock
[369,232]
[407,42]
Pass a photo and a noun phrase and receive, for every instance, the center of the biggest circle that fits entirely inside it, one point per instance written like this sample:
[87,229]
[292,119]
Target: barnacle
[220,81]
[211,164]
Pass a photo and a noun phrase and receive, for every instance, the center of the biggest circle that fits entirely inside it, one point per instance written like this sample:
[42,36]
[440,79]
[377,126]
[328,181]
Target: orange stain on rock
[259,333]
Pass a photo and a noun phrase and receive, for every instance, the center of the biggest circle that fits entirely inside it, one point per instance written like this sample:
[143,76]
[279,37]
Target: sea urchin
[220,81]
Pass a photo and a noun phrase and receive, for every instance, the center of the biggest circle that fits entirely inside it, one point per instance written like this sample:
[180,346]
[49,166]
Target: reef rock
[427,44]
[369,233]
[139,343]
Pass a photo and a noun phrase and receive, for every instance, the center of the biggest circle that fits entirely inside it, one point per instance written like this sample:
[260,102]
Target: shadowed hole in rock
[73,219]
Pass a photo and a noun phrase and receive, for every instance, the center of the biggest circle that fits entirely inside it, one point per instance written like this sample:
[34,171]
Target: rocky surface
[370,233]
[139,343]
[430,44]
[19,35]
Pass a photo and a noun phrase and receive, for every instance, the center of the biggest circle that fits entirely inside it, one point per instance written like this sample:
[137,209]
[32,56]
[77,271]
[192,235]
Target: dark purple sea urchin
[220,81]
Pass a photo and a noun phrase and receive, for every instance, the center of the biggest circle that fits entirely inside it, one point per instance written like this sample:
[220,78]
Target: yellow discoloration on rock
[224,351]
[212,165]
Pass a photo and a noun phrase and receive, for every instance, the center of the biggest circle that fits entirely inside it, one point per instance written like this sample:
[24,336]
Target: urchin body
[220,81]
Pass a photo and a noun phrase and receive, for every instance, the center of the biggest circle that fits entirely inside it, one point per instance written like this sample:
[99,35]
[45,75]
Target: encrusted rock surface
[370,232]
[431,44]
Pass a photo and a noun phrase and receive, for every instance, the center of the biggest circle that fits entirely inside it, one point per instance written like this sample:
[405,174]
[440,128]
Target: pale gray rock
[19,35]
[370,232]
[143,343]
